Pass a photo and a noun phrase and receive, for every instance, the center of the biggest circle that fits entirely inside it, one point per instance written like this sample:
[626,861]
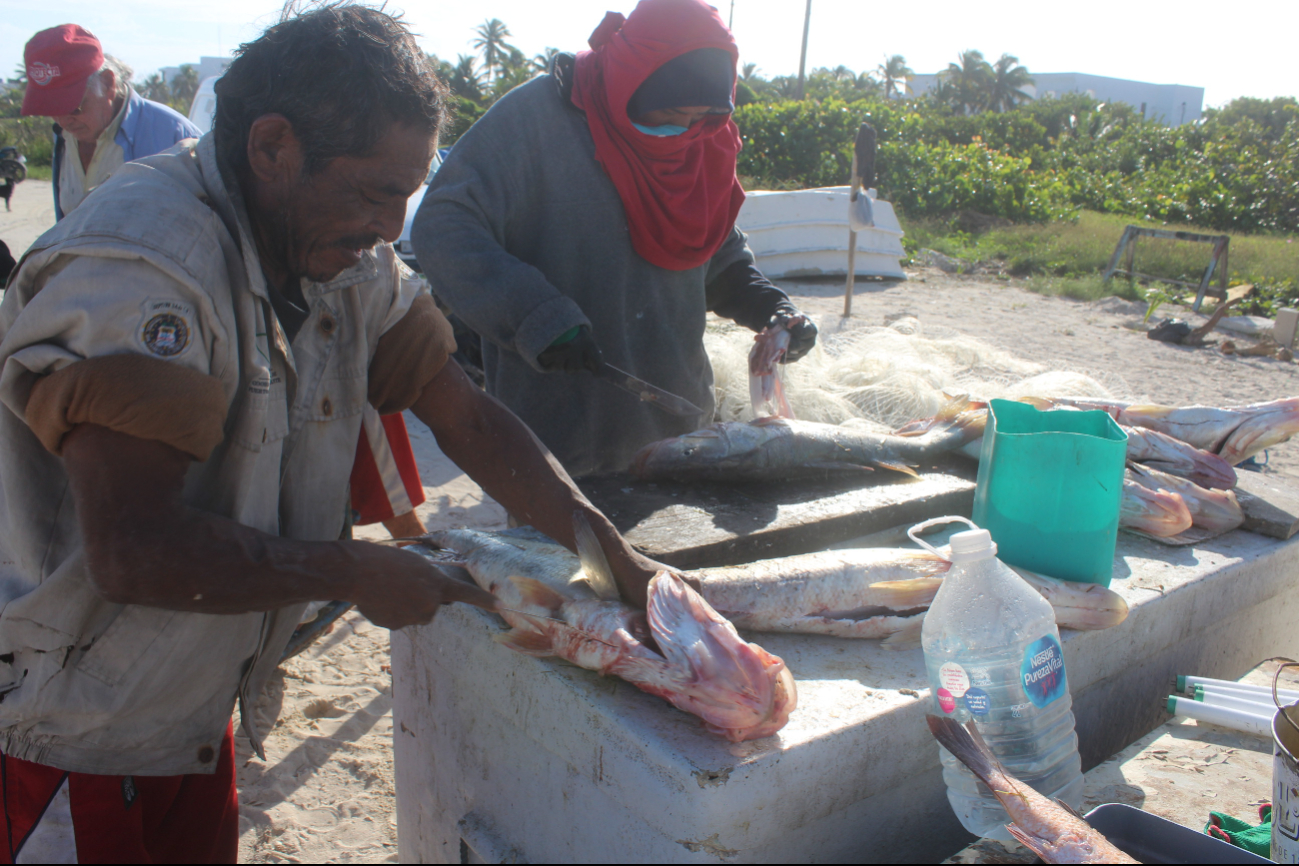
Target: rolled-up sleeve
[115,342]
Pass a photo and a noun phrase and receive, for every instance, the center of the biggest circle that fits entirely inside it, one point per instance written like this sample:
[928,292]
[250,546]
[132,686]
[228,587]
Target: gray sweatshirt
[523,236]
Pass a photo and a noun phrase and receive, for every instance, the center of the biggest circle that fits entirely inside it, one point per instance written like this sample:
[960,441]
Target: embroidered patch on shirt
[166,331]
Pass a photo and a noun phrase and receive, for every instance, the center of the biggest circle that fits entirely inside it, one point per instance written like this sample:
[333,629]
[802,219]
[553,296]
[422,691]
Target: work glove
[575,350]
[802,331]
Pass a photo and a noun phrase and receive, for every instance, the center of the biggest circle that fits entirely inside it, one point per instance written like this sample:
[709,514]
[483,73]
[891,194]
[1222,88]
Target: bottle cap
[972,545]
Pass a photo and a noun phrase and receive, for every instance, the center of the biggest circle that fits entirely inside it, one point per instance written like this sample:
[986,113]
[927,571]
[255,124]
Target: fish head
[740,690]
[1153,510]
[1265,425]
[700,451]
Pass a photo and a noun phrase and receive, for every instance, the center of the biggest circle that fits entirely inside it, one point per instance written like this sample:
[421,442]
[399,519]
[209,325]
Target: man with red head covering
[590,215]
[89,95]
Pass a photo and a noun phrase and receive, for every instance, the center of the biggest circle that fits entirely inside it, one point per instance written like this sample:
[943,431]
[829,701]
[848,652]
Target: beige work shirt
[161,263]
[75,182]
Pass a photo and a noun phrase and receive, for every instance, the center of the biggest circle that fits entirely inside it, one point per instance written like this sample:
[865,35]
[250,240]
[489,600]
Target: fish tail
[906,594]
[595,565]
[972,752]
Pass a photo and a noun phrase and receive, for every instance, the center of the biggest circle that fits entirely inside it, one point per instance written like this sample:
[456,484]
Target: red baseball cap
[59,62]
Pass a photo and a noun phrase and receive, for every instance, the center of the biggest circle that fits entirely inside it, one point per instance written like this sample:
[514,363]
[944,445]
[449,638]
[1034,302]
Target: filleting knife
[648,393]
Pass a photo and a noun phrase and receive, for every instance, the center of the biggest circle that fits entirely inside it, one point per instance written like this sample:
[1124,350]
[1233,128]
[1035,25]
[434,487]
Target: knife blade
[648,393]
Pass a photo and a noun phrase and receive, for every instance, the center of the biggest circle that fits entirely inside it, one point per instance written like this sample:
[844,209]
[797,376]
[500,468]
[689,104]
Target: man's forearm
[506,459]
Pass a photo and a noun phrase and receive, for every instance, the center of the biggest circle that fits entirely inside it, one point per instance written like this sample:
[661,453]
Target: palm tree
[492,45]
[1008,81]
[749,71]
[463,78]
[967,81]
[541,62]
[892,71]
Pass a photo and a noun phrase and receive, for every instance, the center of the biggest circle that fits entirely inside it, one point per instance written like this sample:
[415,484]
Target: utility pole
[730,23]
[802,58]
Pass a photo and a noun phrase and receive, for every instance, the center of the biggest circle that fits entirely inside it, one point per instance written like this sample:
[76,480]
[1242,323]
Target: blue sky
[1231,51]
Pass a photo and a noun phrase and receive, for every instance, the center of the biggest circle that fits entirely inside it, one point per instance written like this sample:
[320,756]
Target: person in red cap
[590,215]
[89,95]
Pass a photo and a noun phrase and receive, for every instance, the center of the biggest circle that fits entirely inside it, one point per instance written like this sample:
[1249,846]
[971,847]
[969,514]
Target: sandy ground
[326,791]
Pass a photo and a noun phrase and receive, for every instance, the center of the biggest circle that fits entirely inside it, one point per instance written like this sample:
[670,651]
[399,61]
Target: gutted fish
[1214,510]
[1050,830]
[679,649]
[1167,454]
[1234,433]
[771,449]
[766,392]
[873,593]
[1161,513]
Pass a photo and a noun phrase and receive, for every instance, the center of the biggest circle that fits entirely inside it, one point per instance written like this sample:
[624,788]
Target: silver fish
[1234,433]
[766,393]
[1213,510]
[870,593]
[1050,830]
[679,649]
[771,449]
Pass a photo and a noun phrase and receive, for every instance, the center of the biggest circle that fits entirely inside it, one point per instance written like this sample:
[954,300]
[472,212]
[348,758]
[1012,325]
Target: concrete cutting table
[505,758]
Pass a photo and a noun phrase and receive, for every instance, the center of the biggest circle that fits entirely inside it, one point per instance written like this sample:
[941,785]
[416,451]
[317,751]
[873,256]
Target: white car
[203,110]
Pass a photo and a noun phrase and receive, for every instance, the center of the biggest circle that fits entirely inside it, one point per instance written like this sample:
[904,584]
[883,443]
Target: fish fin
[907,637]
[536,594]
[1070,809]
[595,565]
[972,753]
[833,466]
[906,594]
[1032,843]
[896,466]
[1042,404]
[530,643]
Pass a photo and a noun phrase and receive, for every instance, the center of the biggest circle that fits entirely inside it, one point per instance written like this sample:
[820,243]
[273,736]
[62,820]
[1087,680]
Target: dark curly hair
[341,73]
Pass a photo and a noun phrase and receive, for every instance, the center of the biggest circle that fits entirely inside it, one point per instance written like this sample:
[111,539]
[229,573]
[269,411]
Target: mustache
[357,242]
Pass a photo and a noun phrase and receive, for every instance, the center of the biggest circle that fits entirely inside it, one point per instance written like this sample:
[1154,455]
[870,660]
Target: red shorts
[52,816]
[385,480]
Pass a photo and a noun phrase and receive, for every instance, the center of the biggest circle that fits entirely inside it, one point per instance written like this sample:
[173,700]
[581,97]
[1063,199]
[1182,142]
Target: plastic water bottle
[992,652]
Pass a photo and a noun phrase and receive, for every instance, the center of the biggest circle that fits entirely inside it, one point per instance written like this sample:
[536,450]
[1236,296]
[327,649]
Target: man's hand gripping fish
[680,649]
[1050,830]
[766,393]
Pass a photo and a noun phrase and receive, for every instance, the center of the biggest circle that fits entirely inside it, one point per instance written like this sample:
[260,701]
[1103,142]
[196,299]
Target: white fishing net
[883,377]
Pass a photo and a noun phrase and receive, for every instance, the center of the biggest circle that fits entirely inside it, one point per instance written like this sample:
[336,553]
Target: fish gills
[1046,828]
[1214,510]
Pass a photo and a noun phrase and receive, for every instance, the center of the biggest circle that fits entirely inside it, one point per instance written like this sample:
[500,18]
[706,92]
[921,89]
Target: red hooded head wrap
[680,192]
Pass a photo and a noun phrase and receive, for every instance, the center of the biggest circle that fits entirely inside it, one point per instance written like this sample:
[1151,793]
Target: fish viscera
[870,593]
[679,649]
[770,449]
[1049,830]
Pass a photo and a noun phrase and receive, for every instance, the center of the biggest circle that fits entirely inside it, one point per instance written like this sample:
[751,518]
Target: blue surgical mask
[665,129]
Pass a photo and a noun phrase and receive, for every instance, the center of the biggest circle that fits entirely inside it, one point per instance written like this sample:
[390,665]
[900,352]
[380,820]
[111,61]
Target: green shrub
[31,135]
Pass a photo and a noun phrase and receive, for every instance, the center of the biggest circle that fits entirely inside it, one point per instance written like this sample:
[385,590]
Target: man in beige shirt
[185,362]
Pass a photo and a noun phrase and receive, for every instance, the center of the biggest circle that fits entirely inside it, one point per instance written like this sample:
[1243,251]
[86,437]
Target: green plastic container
[1050,485]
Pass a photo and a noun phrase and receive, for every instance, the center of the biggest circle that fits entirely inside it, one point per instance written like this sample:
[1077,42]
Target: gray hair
[121,77]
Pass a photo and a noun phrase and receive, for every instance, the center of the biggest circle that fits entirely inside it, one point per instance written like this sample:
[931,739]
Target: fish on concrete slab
[1049,829]
[774,449]
[871,593]
[1214,510]
[679,649]
[1157,512]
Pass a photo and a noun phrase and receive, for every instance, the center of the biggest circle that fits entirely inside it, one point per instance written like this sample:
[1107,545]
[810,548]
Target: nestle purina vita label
[1043,671]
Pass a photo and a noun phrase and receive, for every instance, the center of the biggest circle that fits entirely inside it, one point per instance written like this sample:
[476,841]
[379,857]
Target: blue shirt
[147,128]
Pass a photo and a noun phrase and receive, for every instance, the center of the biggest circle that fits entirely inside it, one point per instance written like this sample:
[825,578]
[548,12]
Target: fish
[1216,511]
[1050,829]
[679,648]
[773,449]
[1145,445]
[1234,433]
[1175,457]
[766,393]
[1161,513]
[870,593]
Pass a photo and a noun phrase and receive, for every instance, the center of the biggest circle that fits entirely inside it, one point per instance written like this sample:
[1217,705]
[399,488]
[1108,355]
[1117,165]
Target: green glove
[1256,840]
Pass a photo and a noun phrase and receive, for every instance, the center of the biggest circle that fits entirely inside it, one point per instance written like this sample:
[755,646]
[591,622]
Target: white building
[1173,104]
[207,67]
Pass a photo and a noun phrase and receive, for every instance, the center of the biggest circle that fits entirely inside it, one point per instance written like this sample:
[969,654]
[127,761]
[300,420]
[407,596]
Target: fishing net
[883,377]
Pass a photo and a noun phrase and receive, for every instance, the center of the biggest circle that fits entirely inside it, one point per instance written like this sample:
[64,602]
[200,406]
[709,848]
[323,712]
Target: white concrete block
[1287,322]
[500,756]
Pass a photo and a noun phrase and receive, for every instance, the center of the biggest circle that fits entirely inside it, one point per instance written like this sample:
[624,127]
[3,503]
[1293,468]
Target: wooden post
[1118,253]
[1129,265]
[802,57]
[863,177]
